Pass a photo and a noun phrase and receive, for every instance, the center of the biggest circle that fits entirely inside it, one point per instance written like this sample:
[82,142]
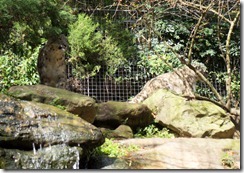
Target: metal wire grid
[119,87]
[125,84]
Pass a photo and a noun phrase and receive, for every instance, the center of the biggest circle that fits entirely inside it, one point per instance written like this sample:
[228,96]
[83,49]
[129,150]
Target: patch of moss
[2,164]
[228,160]
[230,154]
[56,102]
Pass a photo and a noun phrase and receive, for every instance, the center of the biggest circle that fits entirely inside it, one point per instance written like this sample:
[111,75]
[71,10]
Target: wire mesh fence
[125,84]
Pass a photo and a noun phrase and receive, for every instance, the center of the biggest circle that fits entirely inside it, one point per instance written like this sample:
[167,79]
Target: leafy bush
[24,26]
[113,149]
[203,91]
[18,70]
[153,131]
[123,36]
[155,65]
[90,49]
[37,18]
[56,102]
[155,54]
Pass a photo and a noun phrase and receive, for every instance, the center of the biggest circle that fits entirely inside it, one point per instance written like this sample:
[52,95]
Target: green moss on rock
[75,103]
[192,118]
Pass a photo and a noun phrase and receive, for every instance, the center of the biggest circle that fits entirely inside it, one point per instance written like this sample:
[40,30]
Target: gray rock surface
[53,157]
[24,123]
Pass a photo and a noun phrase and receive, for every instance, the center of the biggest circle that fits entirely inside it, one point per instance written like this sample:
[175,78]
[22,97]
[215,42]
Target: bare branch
[117,7]
[219,31]
[228,61]
[182,58]
[197,10]
[195,31]
[204,79]
[199,7]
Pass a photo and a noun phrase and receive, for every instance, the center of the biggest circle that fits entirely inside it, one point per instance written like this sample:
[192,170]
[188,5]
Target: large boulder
[190,118]
[81,105]
[24,124]
[177,153]
[112,114]
[121,132]
[184,153]
[53,157]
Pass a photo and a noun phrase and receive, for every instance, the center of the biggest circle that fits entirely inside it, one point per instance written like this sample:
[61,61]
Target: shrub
[113,149]
[18,70]
[90,49]
[153,131]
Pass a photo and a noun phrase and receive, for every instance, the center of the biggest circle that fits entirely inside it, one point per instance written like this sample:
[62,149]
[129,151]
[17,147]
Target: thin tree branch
[196,6]
[219,31]
[183,58]
[195,31]
[204,79]
[228,61]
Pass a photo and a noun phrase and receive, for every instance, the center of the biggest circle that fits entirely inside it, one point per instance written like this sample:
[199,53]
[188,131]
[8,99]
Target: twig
[228,81]
[195,31]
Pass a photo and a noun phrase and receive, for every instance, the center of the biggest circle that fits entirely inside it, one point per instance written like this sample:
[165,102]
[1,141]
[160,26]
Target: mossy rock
[53,157]
[190,118]
[29,123]
[112,114]
[178,153]
[81,105]
[121,132]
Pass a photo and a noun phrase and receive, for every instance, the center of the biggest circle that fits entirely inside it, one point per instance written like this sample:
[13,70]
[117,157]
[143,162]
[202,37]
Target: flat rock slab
[23,123]
[180,153]
[81,105]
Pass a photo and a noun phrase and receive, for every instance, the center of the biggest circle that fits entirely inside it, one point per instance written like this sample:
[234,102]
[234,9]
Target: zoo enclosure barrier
[125,83]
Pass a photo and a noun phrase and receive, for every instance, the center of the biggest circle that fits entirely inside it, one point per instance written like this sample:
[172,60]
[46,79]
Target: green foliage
[173,30]
[220,79]
[168,25]
[166,31]
[157,65]
[31,20]
[123,36]
[153,52]
[228,160]
[111,54]
[56,102]
[24,25]
[84,42]
[236,89]
[18,70]
[113,149]
[90,50]
[152,131]
[203,91]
